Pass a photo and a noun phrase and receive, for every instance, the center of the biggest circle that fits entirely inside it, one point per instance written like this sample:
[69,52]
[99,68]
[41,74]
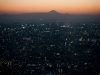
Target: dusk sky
[62,6]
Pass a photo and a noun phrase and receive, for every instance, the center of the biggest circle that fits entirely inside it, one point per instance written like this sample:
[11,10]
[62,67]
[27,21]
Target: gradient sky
[62,6]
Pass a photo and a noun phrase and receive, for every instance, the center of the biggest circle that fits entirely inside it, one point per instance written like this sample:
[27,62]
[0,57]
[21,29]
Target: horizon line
[46,12]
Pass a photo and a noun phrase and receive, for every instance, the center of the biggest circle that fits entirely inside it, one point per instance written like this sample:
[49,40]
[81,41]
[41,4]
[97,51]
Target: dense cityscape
[50,47]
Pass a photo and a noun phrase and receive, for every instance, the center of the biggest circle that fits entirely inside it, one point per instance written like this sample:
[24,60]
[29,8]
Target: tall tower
[65,41]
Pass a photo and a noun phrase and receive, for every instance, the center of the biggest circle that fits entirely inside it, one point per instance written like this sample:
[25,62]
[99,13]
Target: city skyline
[61,6]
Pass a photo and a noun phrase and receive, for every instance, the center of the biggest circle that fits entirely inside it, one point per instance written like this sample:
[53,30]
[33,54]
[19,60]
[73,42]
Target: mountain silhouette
[53,12]
[52,15]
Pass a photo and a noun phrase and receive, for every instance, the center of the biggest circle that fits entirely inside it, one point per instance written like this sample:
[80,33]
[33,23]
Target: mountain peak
[54,12]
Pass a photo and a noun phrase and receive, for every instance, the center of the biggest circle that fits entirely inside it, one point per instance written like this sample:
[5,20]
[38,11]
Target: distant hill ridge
[50,15]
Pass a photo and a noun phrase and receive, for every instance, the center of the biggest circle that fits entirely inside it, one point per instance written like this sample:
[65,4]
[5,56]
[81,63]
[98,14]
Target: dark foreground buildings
[50,48]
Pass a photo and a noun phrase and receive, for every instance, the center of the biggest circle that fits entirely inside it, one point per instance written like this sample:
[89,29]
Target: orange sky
[62,6]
